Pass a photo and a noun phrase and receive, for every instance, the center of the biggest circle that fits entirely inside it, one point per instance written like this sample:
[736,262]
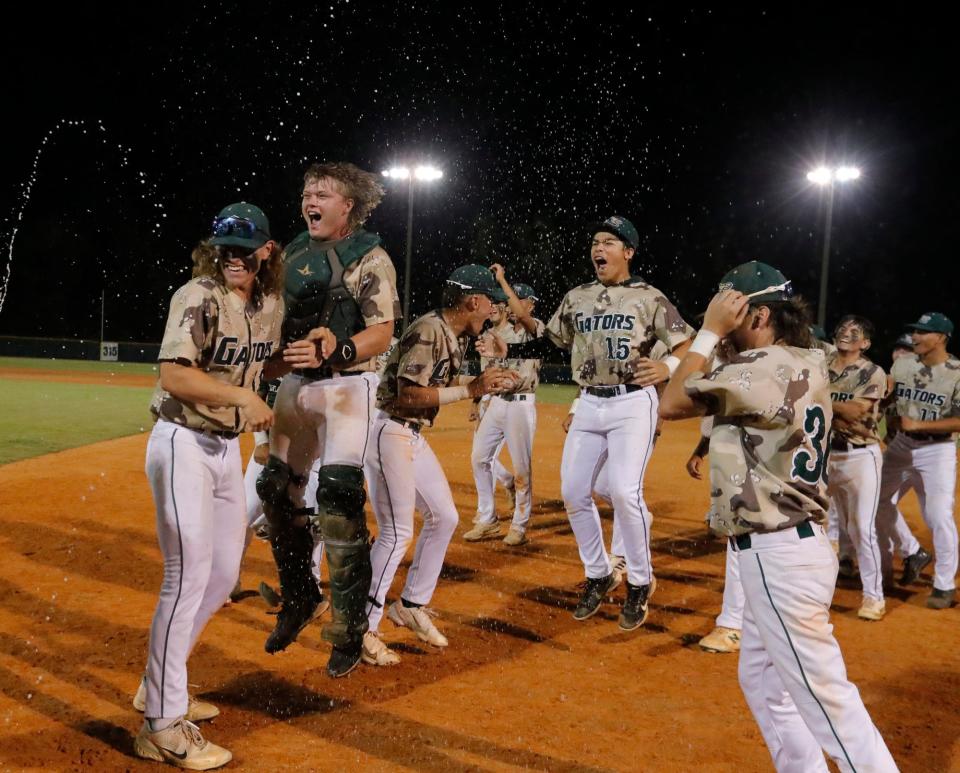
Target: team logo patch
[305,271]
[724,286]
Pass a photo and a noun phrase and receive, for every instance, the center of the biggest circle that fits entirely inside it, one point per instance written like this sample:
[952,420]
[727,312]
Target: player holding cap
[926,399]
[610,327]
[768,451]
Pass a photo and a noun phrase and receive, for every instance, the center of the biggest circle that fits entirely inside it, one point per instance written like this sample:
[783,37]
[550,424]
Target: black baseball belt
[613,390]
[743,541]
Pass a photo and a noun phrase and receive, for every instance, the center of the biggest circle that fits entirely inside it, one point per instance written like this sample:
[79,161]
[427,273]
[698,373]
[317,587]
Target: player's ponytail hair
[791,322]
[206,262]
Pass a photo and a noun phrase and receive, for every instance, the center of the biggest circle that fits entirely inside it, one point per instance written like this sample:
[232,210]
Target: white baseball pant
[515,423]
[854,493]
[731,611]
[404,475]
[930,469]
[197,485]
[791,669]
[617,431]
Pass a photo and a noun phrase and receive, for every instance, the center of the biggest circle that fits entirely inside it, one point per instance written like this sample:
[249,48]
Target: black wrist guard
[343,353]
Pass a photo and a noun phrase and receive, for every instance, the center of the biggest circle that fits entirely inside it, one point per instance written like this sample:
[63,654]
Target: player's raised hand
[302,354]
[498,272]
[256,413]
[491,345]
[726,311]
[650,372]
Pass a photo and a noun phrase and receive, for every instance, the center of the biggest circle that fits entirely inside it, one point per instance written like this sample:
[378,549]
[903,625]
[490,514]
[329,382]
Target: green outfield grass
[557,393]
[91,366]
[41,417]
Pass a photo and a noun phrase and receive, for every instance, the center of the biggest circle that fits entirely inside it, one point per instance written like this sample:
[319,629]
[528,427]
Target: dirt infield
[521,686]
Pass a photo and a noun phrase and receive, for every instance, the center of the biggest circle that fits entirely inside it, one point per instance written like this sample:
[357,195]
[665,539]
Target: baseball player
[856,387]
[768,451]
[223,325]
[610,327]
[341,282]
[510,417]
[403,472]
[926,397]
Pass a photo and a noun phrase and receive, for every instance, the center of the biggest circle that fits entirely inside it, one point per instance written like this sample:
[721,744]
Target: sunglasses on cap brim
[239,227]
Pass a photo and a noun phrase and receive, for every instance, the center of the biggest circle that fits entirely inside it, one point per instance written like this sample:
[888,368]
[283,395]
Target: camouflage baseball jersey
[862,379]
[926,393]
[428,355]
[211,328]
[609,329]
[529,370]
[371,280]
[768,444]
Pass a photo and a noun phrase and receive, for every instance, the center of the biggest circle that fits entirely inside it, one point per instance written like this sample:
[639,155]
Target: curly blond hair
[206,262]
[354,183]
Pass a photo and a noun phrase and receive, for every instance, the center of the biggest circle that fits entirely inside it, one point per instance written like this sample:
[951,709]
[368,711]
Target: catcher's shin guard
[292,551]
[340,498]
[272,488]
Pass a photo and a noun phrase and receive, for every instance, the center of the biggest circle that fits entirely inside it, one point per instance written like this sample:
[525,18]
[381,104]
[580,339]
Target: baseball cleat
[180,745]
[291,619]
[872,609]
[913,565]
[635,607]
[515,537]
[847,569]
[721,639]
[376,653]
[197,711]
[940,599]
[268,594]
[417,619]
[482,531]
[596,588]
[343,660]
[237,593]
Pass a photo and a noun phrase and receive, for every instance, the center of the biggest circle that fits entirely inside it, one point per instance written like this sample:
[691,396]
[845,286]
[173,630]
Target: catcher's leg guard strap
[340,498]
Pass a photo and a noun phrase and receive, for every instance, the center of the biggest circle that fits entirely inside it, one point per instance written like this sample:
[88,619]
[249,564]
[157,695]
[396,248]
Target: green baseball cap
[758,281]
[475,279]
[618,226]
[525,292]
[241,225]
[933,322]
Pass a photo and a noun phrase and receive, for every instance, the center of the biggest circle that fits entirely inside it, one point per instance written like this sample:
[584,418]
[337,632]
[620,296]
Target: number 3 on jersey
[622,350]
[815,428]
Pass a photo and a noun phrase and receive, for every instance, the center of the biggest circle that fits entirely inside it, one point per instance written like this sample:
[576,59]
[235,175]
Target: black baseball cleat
[940,599]
[596,588]
[913,565]
[847,569]
[635,607]
[343,660]
[291,619]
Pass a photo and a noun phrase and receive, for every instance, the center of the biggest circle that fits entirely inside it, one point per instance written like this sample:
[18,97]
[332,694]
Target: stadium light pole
[827,177]
[423,173]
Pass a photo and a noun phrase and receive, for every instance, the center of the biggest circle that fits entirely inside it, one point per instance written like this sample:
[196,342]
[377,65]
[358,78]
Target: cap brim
[497,296]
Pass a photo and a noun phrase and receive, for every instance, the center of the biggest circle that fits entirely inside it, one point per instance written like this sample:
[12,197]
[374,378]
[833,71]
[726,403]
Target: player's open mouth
[314,217]
[600,262]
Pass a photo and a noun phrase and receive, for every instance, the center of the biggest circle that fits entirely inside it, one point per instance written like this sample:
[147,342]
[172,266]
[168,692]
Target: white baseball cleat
[515,537]
[872,609]
[417,619]
[197,711]
[180,745]
[482,531]
[376,653]
[721,639]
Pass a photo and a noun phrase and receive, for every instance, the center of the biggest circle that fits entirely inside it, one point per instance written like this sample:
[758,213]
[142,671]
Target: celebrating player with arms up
[768,449]
[342,283]
[610,327]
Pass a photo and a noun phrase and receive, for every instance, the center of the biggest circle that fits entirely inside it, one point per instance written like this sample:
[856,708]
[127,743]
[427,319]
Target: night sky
[126,133]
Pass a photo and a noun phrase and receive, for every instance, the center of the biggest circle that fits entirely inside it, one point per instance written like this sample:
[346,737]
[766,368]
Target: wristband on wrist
[447,395]
[671,362]
[704,344]
[343,353]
